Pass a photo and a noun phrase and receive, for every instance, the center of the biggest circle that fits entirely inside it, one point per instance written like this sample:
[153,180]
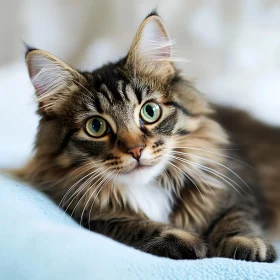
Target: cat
[133,151]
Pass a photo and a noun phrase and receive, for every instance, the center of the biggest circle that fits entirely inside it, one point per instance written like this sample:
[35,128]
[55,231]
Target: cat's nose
[136,151]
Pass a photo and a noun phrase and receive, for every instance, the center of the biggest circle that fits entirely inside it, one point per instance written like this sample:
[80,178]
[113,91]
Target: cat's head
[125,118]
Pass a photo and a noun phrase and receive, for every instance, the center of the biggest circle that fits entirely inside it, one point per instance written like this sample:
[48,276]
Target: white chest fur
[154,201]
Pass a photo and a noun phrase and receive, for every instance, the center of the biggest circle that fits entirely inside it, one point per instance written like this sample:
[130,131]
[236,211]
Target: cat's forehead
[115,92]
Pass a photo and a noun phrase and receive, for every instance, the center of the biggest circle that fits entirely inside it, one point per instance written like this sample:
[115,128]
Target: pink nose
[136,151]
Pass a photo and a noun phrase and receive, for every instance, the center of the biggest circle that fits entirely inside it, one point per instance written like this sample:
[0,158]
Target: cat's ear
[51,78]
[150,53]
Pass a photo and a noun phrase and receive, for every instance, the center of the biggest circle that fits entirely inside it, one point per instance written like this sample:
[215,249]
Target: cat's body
[134,152]
[258,144]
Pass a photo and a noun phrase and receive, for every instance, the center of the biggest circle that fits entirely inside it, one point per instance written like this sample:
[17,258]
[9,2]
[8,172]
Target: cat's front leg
[152,237]
[237,235]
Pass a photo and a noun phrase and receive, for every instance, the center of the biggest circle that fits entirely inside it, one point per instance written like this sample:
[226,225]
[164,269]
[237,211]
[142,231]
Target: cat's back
[260,144]
[260,141]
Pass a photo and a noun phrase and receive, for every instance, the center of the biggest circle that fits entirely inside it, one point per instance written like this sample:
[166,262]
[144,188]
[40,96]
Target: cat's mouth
[141,173]
[139,166]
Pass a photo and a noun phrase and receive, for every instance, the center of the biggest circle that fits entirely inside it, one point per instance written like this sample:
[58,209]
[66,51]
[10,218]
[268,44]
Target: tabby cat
[133,151]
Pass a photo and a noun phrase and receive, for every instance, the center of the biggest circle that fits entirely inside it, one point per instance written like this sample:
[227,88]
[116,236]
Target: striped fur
[193,196]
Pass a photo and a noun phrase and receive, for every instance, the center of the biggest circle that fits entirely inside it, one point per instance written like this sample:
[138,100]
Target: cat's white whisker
[85,193]
[96,163]
[196,175]
[98,188]
[215,153]
[103,184]
[89,183]
[62,203]
[214,172]
[114,186]
[215,162]
[82,187]
[189,177]
[75,184]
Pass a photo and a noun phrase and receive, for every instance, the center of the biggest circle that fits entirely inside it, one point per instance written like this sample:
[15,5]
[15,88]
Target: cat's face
[123,120]
[130,130]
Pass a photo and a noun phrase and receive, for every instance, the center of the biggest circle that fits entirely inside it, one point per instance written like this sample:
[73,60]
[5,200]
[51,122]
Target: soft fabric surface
[38,242]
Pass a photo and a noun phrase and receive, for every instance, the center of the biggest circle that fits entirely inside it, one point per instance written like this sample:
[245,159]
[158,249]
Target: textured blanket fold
[37,241]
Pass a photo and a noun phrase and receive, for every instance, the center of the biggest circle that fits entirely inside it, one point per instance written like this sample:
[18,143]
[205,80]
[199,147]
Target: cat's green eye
[96,127]
[150,112]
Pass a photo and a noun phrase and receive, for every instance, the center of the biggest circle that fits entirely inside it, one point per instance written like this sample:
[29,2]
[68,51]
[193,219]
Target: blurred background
[232,48]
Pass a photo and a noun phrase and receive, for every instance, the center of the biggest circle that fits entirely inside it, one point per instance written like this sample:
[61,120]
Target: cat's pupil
[96,125]
[150,110]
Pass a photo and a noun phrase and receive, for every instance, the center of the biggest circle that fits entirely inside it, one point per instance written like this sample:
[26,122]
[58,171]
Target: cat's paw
[176,244]
[246,248]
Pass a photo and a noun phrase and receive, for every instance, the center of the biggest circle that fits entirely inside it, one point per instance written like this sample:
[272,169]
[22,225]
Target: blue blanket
[38,242]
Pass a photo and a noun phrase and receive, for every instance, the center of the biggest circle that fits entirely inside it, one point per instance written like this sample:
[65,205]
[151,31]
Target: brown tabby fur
[218,208]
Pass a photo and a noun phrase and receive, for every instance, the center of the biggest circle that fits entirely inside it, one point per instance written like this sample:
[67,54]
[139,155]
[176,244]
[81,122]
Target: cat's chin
[141,174]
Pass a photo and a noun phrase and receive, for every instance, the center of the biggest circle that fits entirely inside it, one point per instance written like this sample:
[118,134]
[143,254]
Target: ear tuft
[28,48]
[151,52]
[153,13]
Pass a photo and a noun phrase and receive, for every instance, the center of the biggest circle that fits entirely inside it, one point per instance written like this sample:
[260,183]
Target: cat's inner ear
[151,52]
[50,77]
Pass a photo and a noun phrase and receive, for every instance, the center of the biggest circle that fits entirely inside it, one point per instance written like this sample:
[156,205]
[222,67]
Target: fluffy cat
[133,151]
